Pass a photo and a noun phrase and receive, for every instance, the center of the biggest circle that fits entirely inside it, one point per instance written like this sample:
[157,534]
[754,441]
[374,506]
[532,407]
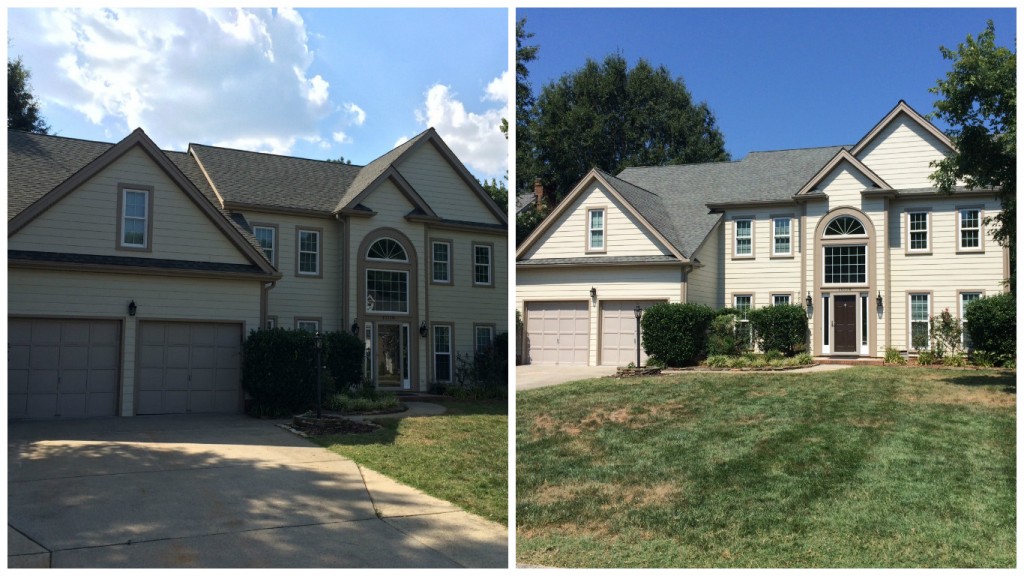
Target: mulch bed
[330,425]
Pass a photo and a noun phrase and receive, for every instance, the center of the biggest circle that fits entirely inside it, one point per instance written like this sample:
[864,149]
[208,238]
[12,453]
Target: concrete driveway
[219,491]
[531,376]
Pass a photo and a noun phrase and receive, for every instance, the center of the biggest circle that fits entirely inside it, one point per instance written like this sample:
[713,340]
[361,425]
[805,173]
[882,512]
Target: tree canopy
[22,108]
[525,172]
[979,102]
[608,116]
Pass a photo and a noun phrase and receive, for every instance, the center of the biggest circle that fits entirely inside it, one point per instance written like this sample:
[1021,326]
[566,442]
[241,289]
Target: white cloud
[237,77]
[474,137]
[356,114]
[341,138]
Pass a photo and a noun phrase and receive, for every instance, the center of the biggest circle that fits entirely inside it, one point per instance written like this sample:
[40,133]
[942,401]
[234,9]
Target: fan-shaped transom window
[387,249]
[845,226]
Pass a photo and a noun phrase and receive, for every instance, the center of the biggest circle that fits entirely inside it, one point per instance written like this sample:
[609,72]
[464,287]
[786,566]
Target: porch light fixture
[878,299]
[593,292]
[355,327]
[810,301]
[132,308]
[423,329]
[638,312]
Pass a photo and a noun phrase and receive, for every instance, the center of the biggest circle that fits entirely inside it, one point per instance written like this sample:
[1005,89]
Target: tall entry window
[846,265]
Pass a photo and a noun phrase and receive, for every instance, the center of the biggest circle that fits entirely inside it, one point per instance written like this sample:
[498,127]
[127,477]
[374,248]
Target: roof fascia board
[720,206]
[464,226]
[202,168]
[266,208]
[901,108]
[139,270]
[522,264]
[840,157]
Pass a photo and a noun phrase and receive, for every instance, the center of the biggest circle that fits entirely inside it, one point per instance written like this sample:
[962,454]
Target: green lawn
[863,467]
[460,456]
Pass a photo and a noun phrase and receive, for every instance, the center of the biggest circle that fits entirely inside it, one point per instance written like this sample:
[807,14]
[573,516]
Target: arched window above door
[845,226]
[387,249]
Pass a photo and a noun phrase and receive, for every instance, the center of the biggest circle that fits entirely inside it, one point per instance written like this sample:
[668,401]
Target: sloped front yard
[863,467]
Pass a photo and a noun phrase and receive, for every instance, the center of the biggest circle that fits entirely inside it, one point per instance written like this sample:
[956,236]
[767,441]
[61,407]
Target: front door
[845,324]
[392,358]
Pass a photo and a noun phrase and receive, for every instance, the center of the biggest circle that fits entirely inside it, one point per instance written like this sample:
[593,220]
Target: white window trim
[273,241]
[476,333]
[146,195]
[435,353]
[315,322]
[788,297]
[927,232]
[824,268]
[963,310]
[366,280]
[299,252]
[447,263]
[960,229]
[742,320]
[490,265]
[603,230]
[910,321]
[776,236]
[736,238]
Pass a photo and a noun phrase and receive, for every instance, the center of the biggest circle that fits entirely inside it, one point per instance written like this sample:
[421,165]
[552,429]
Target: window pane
[387,249]
[440,267]
[135,204]
[845,264]
[134,232]
[482,265]
[597,219]
[308,241]
[387,291]
[844,226]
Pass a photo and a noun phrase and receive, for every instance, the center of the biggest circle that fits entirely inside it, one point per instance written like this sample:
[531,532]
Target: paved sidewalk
[220,491]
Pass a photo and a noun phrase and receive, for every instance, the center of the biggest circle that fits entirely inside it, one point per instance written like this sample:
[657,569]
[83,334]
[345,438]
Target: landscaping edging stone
[745,369]
[642,371]
[328,424]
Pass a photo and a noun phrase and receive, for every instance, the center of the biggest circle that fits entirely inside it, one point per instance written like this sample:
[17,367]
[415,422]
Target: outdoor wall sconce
[593,292]
[423,329]
[878,299]
[132,308]
[355,326]
[810,301]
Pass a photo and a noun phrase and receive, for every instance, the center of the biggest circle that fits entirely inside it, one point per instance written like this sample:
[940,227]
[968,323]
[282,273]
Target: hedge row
[279,369]
[992,325]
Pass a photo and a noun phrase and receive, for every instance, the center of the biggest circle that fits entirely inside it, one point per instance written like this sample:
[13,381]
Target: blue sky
[317,83]
[774,78]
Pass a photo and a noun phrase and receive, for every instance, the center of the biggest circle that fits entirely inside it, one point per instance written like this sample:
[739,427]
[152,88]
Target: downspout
[264,300]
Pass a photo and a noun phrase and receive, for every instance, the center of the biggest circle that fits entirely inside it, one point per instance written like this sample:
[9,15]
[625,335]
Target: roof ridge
[70,138]
[798,149]
[273,155]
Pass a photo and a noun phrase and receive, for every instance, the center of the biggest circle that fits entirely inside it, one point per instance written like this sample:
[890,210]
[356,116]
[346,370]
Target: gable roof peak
[901,109]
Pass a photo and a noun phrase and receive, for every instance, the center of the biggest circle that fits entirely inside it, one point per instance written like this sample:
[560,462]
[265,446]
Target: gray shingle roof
[374,169]
[275,181]
[37,164]
[524,201]
[683,191]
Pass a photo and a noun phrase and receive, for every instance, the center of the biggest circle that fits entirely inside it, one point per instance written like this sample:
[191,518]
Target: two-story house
[857,234]
[135,273]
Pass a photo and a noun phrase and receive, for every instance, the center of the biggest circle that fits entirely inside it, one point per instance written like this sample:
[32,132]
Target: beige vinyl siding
[85,221]
[639,283]
[901,154]
[944,271]
[761,275]
[47,293]
[440,186]
[704,284]
[624,234]
[844,186]
[301,296]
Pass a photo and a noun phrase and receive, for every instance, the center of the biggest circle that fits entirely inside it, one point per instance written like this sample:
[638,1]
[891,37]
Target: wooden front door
[845,324]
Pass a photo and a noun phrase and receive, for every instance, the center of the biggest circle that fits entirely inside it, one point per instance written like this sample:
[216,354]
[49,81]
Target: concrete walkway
[220,491]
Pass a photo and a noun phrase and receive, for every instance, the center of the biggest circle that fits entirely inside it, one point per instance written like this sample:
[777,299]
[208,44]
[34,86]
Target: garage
[557,333]
[188,368]
[62,368]
[618,332]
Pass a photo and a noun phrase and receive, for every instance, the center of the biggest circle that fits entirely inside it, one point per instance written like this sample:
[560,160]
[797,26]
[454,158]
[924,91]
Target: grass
[460,456]
[862,467]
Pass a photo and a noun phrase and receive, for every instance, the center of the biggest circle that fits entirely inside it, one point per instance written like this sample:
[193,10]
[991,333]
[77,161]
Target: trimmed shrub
[722,338]
[927,358]
[782,327]
[279,370]
[992,325]
[893,356]
[676,334]
[717,361]
[482,375]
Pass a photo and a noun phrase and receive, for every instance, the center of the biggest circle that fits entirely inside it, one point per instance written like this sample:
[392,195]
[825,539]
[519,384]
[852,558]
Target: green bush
[782,327]
[983,359]
[279,369]
[482,375]
[956,359]
[676,334]
[348,403]
[927,357]
[717,361]
[992,325]
[722,338]
[773,355]
[803,359]
[947,332]
[893,356]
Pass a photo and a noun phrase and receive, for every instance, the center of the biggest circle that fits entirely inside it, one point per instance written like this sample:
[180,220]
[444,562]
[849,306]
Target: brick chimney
[538,190]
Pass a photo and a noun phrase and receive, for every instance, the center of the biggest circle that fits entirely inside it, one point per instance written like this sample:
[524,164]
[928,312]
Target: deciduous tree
[22,108]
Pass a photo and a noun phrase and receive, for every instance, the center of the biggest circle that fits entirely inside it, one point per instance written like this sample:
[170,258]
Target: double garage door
[72,368]
[559,332]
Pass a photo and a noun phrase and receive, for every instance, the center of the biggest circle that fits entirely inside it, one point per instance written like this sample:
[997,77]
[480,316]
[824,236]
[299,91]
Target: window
[845,226]
[965,299]
[443,353]
[825,316]
[845,265]
[309,252]
[780,299]
[135,218]
[482,337]
[920,312]
[595,229]
[744,242]
[782,244]
[482,265]
[970,229]
[441,262]
[387,249]
[917,231]
[742,303]
[271,322]
[267,237]
[864,321]
[387,291]
[307,325]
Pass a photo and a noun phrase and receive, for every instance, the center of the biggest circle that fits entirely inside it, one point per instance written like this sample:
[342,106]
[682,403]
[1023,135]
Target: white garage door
[62,368]
[557,333]
[189,368]
[618,332]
